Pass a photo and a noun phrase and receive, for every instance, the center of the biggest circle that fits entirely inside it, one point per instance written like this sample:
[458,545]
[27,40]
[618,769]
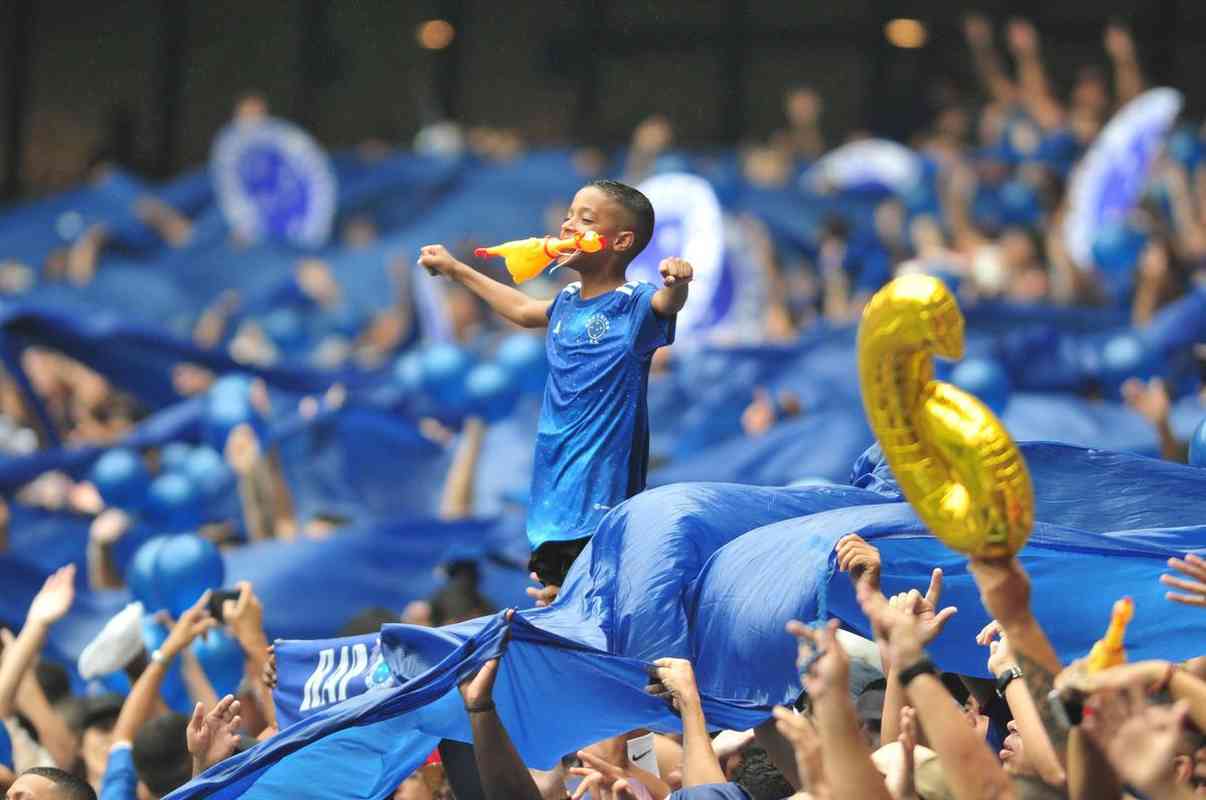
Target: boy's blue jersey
[592,445]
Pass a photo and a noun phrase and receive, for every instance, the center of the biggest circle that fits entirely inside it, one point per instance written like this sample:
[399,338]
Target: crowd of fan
[878,722]
[873,722]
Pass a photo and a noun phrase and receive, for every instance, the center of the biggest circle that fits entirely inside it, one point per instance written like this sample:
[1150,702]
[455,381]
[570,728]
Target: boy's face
[593,210]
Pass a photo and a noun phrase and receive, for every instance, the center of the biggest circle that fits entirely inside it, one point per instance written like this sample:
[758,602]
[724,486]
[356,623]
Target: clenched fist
[436,259]
[675,271]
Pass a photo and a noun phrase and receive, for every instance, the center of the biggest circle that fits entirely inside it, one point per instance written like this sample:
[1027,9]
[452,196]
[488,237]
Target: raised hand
[1000,657]
[192,623]
[54,600]
[1004,588]
[860,559]
[933,620]
[109,526]
[904,632]
[900,780]
[823,664]
[436,259]
[1142,750]
[798,729]
[543,595]
[675,271]
[1021,36]
[245,617]
[674,682]
[1149,399]
[268,675]
[478,690]
[1194,589]
[212,737]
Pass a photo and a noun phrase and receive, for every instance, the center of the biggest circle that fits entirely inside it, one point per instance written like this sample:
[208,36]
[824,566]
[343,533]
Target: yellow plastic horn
[1108,651]
[527,258]
[952,457]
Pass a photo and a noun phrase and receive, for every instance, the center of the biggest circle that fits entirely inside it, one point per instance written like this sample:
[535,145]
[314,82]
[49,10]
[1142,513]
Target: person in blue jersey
[592,444]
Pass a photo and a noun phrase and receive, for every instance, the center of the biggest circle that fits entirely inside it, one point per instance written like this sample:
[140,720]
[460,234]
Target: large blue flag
[711,572]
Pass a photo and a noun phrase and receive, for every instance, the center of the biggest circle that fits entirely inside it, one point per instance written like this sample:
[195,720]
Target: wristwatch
[1005,678]
[161,658]
[922,665]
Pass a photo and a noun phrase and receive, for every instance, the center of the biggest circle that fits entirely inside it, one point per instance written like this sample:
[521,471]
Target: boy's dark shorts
[552,560]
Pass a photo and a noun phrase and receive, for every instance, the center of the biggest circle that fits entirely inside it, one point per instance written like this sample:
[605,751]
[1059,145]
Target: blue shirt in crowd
[121,780]
[592,444]
[711,791]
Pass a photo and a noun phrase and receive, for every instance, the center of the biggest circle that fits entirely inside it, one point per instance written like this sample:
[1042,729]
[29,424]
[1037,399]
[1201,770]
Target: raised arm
[48,607]
[144,695]
[456,502]
[1128,75]
[509,303]
[971,769]
[847,760]
[1005,593]
[978,32]
[1001,664]
[1036,91]
[674,681]
[503,774]
[670,299]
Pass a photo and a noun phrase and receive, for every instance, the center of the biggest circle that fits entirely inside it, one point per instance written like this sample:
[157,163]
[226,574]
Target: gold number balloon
[952,457]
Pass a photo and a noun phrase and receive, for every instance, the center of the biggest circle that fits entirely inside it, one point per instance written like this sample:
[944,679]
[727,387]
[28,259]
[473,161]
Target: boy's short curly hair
[638,208]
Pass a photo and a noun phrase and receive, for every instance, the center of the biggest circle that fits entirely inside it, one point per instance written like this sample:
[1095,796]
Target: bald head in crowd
[48,783]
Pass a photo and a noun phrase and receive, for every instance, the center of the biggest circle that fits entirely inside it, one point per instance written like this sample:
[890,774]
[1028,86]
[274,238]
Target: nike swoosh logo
[642,755]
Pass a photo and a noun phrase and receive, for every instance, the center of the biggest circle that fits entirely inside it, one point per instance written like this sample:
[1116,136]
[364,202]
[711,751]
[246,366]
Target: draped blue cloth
[711,572]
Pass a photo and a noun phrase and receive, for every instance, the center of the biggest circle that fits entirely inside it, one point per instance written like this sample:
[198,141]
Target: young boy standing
[592,443]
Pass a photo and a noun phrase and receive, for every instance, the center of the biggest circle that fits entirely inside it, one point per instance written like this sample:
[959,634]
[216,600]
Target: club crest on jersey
[378,674]
[597,327]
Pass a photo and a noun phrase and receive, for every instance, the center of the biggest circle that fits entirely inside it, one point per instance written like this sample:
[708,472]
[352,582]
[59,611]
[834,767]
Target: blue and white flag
[683,571]
[1108,182]
[311,675]
[865,165]
[273,181]
[690,225]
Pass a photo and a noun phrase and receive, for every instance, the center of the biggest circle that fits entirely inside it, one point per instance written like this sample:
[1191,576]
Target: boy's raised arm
[509,303]
[670,299]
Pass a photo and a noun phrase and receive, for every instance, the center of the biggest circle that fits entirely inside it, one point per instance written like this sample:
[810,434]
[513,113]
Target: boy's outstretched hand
[675,271]
[436,259]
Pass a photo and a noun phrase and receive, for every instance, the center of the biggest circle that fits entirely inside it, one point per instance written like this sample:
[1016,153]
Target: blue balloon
[222,660]
[141,578]
[173,503]
[524,356]
[984,378]
[224,412]
[1117,248]
[408,372]
[231,386]
[185,568]
[286,328]
[444,369]
[121,478]
[491,392]
[173,456]
[209,472]
[1125,355]
[1197,446]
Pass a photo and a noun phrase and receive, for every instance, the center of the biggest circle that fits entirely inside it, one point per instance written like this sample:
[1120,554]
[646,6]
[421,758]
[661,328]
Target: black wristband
[1005,678]
[921,666]
[485,708]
